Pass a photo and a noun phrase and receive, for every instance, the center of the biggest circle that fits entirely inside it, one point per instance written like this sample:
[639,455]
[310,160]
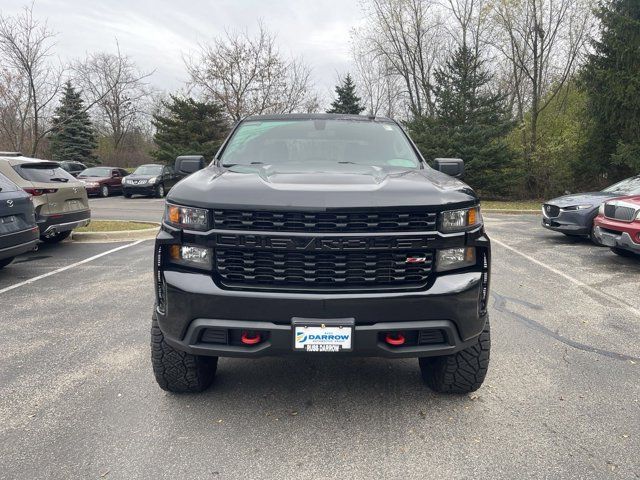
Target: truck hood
[344,186]
[589,198]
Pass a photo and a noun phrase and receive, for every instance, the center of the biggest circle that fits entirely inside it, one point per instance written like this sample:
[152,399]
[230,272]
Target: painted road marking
[575,281]
[68,267]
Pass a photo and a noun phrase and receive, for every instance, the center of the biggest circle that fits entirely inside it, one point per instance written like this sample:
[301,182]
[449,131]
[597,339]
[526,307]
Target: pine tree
[188,128]
[347,101]
[471,123]
[72,136]
[611,78]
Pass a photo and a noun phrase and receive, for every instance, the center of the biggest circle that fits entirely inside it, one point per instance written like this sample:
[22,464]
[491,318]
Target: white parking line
[68,267]
[575,281]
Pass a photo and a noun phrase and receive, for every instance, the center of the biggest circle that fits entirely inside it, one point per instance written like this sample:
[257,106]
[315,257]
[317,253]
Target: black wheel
[160,191]
[177,371]
[127,195]
[462,372]
[623,253]
[104,191]
[6,261]
[58,237]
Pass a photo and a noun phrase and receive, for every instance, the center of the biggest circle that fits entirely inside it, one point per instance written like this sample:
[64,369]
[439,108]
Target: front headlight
[191,256]
[187,217]
[460,220]
[153,179]
[92,184]
[577,207]
[453,258]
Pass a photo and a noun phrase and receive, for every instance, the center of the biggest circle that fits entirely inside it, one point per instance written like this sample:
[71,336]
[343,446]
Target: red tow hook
[250,338]
[394,339]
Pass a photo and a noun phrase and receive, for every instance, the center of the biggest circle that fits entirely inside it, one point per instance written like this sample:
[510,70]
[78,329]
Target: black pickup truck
[322,235]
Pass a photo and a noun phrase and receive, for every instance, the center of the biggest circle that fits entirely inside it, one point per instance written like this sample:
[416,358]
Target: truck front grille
[322,270]
[353,221]
[619,212]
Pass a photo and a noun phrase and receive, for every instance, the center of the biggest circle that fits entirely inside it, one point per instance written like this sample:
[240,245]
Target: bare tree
[378,86]
[248,75]
[34,81]
[543,41]
[122,97]
[408,34]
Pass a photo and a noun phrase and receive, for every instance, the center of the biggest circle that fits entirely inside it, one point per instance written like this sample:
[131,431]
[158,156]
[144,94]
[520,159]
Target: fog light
[191,256]
[453,258]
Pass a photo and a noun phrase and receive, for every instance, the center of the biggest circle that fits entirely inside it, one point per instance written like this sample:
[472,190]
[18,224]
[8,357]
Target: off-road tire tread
[462,372]
[177,371]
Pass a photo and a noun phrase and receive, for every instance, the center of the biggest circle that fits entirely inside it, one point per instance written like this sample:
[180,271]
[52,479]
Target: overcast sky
[155,33]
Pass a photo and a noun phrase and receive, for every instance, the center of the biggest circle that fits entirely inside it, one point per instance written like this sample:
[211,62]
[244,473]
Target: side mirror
[115,175]
[188,164]
[451,166]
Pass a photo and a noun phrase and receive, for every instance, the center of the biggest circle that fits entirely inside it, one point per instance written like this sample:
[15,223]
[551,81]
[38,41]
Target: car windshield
[320,143]
[629,186]
[96,172]
[148,170]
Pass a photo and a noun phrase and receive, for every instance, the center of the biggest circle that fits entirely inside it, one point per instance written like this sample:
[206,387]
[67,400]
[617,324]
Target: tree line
[537,96]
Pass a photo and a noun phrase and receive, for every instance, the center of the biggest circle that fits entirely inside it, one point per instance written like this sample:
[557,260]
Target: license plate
[323,336]
[608,241]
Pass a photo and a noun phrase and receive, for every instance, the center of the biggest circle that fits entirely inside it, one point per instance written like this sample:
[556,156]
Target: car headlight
[192,256]
[453,258]
[153,179]
[187,217]
[460,220]
[92,184]
[577,207]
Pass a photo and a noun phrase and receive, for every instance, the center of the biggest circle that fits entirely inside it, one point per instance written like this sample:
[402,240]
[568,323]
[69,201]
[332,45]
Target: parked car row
[610,217]
[39,200]
[149,180]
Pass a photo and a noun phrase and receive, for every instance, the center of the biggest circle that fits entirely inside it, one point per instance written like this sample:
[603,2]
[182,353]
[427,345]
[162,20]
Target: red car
[618,225]
[103,181]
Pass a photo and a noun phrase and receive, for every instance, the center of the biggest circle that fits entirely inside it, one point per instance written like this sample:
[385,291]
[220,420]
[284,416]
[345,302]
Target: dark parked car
[151,179]
[103,181]
[574,214]
[322,234]
[19,232]
[74,168]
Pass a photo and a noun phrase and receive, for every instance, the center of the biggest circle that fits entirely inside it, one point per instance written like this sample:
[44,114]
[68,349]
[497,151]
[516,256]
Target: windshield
[96,172]
[148,170]
[320,143]
[629,186]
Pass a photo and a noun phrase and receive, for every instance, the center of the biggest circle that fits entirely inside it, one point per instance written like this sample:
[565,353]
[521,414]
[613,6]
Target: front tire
[160,191]
[57,238]
[177,371]
[623,253]
[462,372]
[104,191]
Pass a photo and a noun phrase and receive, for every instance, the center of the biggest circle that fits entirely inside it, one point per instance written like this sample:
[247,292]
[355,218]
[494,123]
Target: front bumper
[53,224]
[616,239]
[145,189]
[575,222]
[194,303]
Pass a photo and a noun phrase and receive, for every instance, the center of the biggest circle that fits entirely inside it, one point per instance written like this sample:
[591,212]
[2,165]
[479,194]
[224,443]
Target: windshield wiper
[59,179]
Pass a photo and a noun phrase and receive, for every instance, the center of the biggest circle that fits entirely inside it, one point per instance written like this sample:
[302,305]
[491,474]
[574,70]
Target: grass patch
[113,226]
[522,205]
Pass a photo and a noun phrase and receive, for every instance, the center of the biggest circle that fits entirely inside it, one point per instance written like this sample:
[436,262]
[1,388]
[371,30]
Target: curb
[118,236]
[511,212]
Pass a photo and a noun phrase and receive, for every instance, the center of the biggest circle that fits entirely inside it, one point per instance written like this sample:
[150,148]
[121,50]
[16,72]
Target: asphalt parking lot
[561,400]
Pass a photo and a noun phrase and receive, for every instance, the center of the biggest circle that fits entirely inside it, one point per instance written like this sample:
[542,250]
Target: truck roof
[318,116]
